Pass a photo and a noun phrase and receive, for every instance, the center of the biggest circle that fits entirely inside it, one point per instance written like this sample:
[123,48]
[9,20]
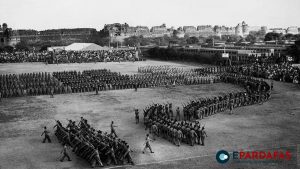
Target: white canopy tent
[84,47]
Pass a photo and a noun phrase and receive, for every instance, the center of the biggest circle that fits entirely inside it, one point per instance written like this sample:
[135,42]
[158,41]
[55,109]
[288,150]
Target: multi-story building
[57,35]
[142,31]
[277,30]
[227,30]
[190,31]
[205,30]
[292,30]
[159,31]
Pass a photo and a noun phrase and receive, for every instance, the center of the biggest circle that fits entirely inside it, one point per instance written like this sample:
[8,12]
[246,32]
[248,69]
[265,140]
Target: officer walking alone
[137,117]
[46,133]
[147,144]
[112,129]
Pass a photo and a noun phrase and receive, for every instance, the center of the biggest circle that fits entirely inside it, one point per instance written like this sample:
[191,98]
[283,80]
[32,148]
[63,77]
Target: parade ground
[273,125]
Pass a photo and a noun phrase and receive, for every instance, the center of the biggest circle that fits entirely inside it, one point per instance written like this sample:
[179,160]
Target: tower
[245,28]
[239,30]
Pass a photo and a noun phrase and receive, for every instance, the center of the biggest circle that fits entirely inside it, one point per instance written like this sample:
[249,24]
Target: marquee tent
[84,47]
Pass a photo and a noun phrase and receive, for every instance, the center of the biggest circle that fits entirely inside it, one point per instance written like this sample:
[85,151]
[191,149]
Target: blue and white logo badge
[222,156]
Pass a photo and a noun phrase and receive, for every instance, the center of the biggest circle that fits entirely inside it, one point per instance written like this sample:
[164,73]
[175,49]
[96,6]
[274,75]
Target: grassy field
[271,125]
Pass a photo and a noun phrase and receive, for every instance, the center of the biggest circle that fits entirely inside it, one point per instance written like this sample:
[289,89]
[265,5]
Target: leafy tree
[273,36]
[288,36]
[250,38]
[22,46]
[103,41]
[132,41]
[44,48]
[192,40]
[8,49]
[209,40]
[231,38]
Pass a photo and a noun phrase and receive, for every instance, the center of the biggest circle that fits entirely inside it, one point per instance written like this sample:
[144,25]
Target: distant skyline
[55,14]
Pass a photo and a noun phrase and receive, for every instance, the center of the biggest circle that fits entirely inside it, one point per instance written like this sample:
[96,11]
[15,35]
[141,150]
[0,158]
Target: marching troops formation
[97,147]
[171,69]
[181,76]
[103,79]
[256,92]
[161,123]
[13,85]
[29,84]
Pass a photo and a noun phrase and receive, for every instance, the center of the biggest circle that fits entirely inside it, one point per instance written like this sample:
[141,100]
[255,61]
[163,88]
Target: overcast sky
[48,14]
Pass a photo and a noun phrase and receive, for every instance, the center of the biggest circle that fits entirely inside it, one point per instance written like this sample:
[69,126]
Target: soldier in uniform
[52,93]
[112,156]
[193,136]
[179,136]
[112,129]
[154,131]
[96,159]
[147,144]
[203,135]
[230,106]
[97,89]
[272,83]
[177,114]
[171,113]
[46,133]
[137,117]
[65,153]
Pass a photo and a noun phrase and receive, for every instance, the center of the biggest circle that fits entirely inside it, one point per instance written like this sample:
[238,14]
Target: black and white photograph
[150,84]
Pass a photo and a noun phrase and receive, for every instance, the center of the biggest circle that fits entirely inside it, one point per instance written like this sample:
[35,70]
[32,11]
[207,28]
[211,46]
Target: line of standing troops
[256,92]
[12,85]
[96,147]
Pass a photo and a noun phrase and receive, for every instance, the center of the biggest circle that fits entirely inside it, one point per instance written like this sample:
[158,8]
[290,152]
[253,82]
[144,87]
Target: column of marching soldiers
[43,83]
[97,147]
[161,121]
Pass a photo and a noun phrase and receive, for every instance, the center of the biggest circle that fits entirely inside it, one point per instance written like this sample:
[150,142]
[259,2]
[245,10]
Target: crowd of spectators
[25,56]
[95,56]
[70,56]
[284,72]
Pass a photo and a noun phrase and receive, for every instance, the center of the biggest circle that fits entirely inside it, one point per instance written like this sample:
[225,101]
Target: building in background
[160,31]
[292,30]
[205,30]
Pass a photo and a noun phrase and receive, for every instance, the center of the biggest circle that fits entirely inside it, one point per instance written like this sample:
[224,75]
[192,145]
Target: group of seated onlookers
[70,56]
[284,72]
